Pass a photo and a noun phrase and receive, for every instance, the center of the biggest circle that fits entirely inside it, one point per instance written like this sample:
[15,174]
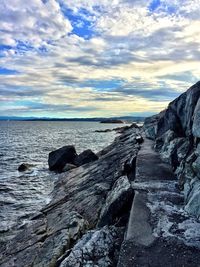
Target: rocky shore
[136,204]
[85,222]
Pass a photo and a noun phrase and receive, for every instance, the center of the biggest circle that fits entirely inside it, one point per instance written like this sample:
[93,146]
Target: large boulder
[60,157]
[86,156]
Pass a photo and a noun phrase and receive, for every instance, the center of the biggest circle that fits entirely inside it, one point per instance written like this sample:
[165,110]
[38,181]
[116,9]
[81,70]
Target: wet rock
[96,248]
[60,157]
[24,167]
[86,156]
[118,201]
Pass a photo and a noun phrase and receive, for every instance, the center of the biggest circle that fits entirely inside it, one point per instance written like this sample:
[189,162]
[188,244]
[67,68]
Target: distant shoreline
[125,119]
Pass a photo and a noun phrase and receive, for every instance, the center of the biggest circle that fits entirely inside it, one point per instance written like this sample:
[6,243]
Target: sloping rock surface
[77,202]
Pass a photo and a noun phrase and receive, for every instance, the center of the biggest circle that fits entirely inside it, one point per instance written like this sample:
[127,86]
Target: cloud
[34,22]
[97,57]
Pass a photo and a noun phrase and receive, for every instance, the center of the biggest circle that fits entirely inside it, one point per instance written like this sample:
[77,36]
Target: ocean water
[24,193]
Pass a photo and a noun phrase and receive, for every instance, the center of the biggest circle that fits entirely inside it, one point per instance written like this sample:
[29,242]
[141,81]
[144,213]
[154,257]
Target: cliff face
[176,132]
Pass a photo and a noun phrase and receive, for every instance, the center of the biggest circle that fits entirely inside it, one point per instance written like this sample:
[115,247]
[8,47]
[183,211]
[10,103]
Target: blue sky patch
[154,5]
[81,25]
[4,71]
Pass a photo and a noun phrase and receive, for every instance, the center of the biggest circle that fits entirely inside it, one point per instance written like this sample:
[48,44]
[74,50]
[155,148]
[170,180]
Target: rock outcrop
[176,132]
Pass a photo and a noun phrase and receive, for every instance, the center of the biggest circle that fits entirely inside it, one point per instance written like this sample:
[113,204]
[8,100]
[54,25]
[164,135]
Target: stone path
[159,232]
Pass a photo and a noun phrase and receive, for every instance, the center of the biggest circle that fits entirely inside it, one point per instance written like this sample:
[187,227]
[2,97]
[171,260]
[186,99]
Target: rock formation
[176,132]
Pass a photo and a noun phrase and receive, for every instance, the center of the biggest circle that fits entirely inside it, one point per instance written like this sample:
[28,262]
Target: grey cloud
[160,93]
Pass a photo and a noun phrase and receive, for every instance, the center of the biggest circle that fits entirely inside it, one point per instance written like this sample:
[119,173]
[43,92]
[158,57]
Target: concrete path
[156,234]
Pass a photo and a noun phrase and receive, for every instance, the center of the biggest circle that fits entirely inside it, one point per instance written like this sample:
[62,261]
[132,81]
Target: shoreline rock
[24,167]
[66,158]
[60,157]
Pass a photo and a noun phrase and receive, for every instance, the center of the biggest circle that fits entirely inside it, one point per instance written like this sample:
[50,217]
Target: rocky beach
[136,203]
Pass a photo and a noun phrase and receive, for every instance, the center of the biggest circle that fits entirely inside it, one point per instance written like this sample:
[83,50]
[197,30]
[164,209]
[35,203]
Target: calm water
[22,194]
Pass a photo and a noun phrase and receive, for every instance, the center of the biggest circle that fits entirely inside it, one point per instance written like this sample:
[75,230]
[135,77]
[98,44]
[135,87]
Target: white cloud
[130,43]
[33,22]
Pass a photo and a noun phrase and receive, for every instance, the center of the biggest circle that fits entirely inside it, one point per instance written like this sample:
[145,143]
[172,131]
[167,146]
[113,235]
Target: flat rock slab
[160,232]
[150,165]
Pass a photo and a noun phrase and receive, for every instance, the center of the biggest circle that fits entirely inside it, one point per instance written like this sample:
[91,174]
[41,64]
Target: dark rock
[60,157]
[104,131]
[139,139]
[86,156]
[24,167]
[111,121]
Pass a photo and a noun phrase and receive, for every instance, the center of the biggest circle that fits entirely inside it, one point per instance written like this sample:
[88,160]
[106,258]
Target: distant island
[104,120]
[112,121]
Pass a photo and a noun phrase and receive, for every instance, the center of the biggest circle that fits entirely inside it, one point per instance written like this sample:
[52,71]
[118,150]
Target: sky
[94,58]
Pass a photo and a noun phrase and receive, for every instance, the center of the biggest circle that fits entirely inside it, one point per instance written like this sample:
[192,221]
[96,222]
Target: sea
[22,194]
